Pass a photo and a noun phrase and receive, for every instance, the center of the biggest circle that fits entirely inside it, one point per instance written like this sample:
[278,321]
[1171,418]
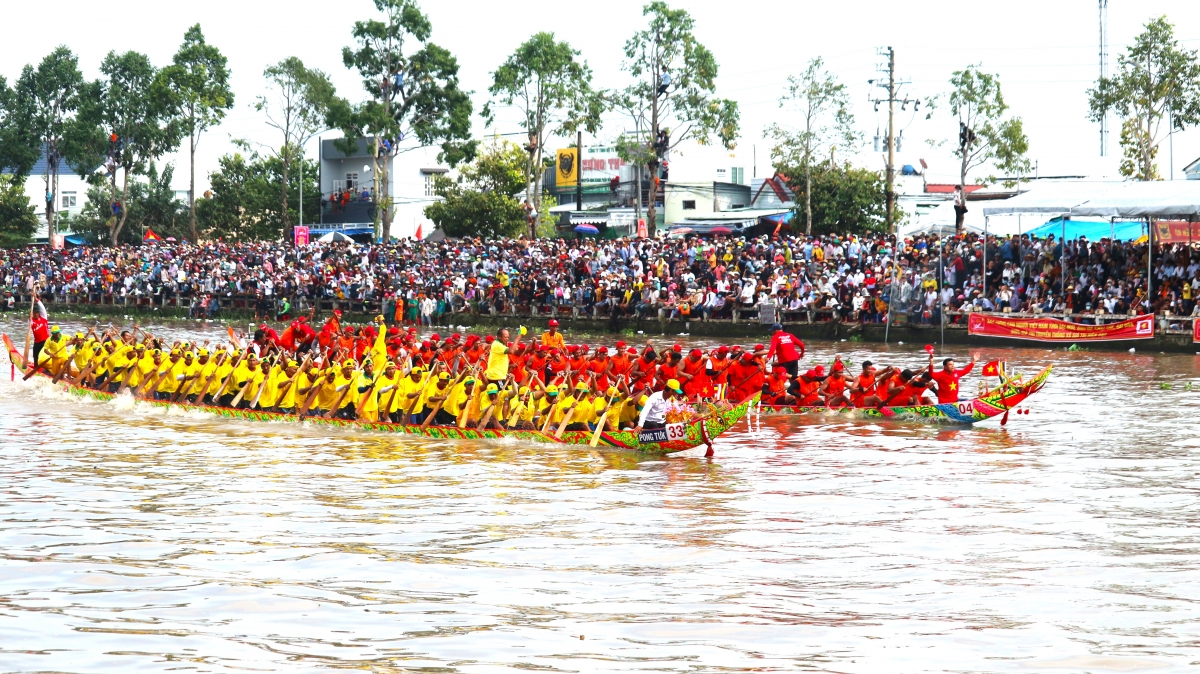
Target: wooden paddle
[283,391]
[29,331]
[242,393]
[565,422]
[600,424]
[262,387]
[233,338]
[366,397]
[465,413]
[152,381]
[317,383]
[515,415]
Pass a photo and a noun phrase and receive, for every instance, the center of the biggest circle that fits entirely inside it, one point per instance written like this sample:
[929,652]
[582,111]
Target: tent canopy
[1092,230]
[1106,199]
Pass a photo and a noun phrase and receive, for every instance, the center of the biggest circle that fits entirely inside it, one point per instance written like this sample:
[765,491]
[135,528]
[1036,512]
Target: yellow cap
[673,384]
[612,391]
[348,363]
[581,386]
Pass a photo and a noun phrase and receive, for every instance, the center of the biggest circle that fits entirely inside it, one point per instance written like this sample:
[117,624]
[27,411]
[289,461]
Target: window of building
[738,174]
[428,184]
[351,181]
[68,200]
[689,204]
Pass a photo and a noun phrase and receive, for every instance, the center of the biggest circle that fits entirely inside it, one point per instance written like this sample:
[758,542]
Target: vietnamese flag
[151,237]
[993,369]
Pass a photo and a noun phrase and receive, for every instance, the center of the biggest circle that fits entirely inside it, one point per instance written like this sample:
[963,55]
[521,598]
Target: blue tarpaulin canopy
[1092,230]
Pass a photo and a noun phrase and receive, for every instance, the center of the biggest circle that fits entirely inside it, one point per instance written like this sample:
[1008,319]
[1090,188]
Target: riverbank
[649,328]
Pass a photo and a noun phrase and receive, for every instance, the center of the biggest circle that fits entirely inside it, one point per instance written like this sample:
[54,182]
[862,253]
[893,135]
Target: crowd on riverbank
[850,278]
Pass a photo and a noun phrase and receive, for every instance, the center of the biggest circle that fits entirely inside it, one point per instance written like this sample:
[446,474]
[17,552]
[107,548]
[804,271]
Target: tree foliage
[844,199]
[44,103]
[553,91]
[987,135]
[133,102]
[687,106]
[413,97]
[481,202]
[821,105]
[1157,85]
[298,107]
[198,80]
[243,204]
[18,220]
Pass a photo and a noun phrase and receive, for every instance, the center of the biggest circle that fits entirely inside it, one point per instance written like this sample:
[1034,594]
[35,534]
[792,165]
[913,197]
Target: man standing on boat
[786,349]
[947,378]
[552,338]
[497,364]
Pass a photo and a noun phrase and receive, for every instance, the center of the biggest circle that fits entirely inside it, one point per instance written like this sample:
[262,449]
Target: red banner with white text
[1176,231]
[1196,330]
[1055,330]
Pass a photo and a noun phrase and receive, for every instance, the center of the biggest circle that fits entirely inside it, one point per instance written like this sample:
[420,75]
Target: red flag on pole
[418,236]
[993,369]
[151,237]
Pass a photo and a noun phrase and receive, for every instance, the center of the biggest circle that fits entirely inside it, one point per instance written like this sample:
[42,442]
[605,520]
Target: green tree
[45,100]
[131,101]
[412,92]
[553,91]
[685,104]
[199,80]
[481,202]
[298,107]
[18,219]
[986,134]
[1156,90]
[822,107]
[243,204]
[844,199]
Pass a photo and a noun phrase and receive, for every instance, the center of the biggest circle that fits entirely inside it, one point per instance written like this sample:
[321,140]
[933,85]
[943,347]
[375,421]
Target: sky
[1045,54]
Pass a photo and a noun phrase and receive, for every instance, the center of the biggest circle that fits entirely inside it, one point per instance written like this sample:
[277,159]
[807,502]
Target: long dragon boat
[673,438]
[995,402]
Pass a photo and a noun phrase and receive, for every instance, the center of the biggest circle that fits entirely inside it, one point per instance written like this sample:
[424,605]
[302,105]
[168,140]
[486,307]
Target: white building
[69,198]
[411,173]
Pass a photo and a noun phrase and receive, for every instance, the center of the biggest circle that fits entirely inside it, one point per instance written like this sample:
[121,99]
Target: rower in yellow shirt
[410,398]
[205,368]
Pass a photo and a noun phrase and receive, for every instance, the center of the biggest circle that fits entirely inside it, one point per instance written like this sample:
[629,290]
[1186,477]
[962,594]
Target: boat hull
[991,404]
[694,434]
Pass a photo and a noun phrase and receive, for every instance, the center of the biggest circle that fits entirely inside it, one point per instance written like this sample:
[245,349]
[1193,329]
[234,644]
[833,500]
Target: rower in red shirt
[601,366]
[865,390]
[696,374]
[834,388]
[742,376]
[808,389]
[947,378]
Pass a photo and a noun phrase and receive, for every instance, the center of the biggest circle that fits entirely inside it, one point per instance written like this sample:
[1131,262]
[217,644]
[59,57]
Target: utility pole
[579,171]
[891,99]
[1104,72]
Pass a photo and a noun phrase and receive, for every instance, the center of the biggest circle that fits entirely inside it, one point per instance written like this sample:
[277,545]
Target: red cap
[778,369]
[456,336]
[747,356]
[819,370]
[337,312]
[263,326]
[600,350]
[838,367]
[553,323]
[412,329]
[678,348]
[696,352]
[620,344]
[489,339]
[928,348]
[583,347]
[435,337]
[632,351]
[723,349]
[393,330]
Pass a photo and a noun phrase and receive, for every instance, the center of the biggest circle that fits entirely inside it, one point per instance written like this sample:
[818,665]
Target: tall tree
[48,95]
[199,80]
[243,204]
[986,134]
[822,106]
[672,95]
[298,107]
[553,90]
[126,122]
[413,96]
[1156,90]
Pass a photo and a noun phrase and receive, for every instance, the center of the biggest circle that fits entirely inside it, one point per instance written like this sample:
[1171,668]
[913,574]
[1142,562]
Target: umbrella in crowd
[336,237]
[587,229]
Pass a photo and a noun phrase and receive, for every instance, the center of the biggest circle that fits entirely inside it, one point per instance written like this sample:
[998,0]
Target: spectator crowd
[846,278]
